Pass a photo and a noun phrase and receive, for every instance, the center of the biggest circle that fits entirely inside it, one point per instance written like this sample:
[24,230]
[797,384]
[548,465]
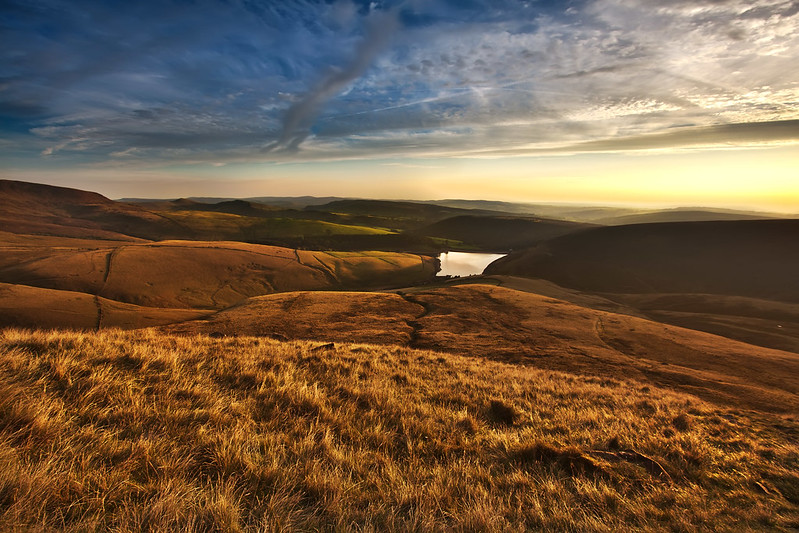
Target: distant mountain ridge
[684,214]
[594,214]
[294,202]
[500,233]
[319,222]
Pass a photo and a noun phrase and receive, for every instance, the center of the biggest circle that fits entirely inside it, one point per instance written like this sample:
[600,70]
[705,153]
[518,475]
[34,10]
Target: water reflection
[465,263]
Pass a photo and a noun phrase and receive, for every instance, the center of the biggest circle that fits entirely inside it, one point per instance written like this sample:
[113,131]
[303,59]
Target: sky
[619,102]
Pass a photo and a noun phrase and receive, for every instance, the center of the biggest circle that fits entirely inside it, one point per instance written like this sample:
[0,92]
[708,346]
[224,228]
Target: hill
[270,228]
[757,259]
[198,274]
[134,431]
[48,210]
[766,323]
[498,233]
[494,322]
[234,207]
[401,214]
[29,208]
[683,215]
[33,307]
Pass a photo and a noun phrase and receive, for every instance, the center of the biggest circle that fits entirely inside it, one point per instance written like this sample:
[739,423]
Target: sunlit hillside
[133,431]
[486,321]
[199,274]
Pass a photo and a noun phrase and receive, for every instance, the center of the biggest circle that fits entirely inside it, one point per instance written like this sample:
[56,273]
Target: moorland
[296,363]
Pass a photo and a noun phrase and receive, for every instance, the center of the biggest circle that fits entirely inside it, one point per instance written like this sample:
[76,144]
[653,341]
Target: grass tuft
[682,422]
[502,413]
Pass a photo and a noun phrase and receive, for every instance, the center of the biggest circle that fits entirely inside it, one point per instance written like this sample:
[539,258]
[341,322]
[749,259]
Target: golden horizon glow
[758,179]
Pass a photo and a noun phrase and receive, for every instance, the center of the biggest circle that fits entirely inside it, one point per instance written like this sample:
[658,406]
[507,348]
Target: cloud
[743,134]
[298,118]
[207,81]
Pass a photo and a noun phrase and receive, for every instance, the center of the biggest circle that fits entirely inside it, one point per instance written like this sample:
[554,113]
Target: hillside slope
[33,307]
[757,258]
[485,321]
[768,323]
[684,215]
[499,233]
[197,274]
[48,210]
[138,431]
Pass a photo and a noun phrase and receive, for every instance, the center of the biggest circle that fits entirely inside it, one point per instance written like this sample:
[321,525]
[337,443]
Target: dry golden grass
[204,274]
[132,431]
[16,241]
[494,322]
[528,328]
[767,323]
[363,317]
[228,226]
[33,307]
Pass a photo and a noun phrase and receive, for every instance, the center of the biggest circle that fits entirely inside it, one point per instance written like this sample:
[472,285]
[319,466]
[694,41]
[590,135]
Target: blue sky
[196,97]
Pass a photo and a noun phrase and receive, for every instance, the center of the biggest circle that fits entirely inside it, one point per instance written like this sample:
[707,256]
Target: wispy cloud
[299,117]
[87,83]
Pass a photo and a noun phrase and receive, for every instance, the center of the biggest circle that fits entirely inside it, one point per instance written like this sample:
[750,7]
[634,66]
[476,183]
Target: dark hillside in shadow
[757,258]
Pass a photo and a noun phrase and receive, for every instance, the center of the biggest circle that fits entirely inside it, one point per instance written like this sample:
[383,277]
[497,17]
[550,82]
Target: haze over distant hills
[603,215]
[685,214]
[341,224]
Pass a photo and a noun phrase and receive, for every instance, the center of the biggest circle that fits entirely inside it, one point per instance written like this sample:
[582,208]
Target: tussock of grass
[134,430]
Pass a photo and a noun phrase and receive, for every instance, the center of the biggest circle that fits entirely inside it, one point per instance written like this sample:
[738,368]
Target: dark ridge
[33,208]
[683,215]
[756,258]
[499,233]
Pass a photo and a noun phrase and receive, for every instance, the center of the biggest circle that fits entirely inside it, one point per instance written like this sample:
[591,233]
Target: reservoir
[465,263]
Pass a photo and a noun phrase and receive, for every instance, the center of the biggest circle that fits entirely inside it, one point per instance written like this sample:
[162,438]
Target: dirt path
[414,324]
[324,269]
[99,305]
[615,344]
[108,260]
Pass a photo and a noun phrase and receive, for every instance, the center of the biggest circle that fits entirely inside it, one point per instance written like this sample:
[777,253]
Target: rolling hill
[752,258]
[197,274]
[683,215]
[34,307]
[494,322]
[767,323]
[498,233]
[32,208]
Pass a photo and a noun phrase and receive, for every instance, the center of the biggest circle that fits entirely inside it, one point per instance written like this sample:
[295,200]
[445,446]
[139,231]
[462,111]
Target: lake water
[465,263]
